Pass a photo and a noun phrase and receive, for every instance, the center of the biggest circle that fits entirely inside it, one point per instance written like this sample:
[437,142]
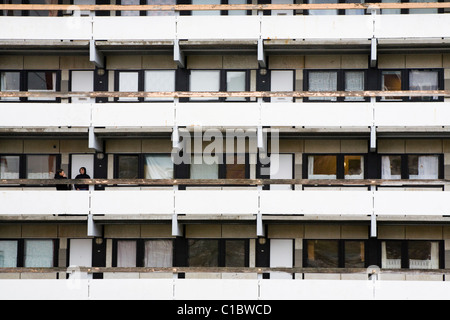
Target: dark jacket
[82,186]
[62,187]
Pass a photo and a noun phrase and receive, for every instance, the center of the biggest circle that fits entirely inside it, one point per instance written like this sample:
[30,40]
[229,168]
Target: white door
[82,81]
[80,255]
[281,167]
[281,256]
[82,160]
[282,12]
[282,80]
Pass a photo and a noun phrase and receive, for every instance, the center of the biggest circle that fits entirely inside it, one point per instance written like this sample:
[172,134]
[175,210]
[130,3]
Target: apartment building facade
[359,174]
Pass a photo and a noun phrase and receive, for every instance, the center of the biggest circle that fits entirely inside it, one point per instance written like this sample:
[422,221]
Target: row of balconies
[404,28]
[347,115]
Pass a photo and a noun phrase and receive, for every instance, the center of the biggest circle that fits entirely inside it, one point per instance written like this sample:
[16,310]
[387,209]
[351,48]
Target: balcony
[190,289]
[250,31]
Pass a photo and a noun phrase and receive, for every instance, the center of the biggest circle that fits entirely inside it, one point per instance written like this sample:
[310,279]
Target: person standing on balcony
[60,174]
[82,175]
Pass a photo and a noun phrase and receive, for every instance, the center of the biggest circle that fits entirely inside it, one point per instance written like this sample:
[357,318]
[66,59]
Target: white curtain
[208,81]
[161,2]
[432,263]
[10,81]
[126,253]
[128,82]
[160,80]
[130,13]
[38,253]
[8,254]
[323,12]
[235,82]
[423,80]
[158,253]
[158,167]
[354,81]
[386,169]
[389,263]
[322,81]
[204,171]
[428,168]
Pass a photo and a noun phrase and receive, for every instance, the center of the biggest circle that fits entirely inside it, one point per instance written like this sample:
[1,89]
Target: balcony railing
[214,114]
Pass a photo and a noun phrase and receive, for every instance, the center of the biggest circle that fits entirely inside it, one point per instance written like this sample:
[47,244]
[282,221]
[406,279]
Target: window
[41,166]
[218,253]
[410,166]
[390,11]
[8,253]
[82,81]
[159,81]
[423,80]
[354,81]
[127,166]
[201,169]
[130,3]
[143,253]
[161,2]
[322,167]
[39,253]
[322,81]
[127,82]
[411,254]
[335,166]
[281,81]
[9,167]
[205,12]
[205,80]
[158,166]
[43,81]
[391,81]
[10,82]
[236,81]
[335,254]
[235,167]
[422,11]
[322,12]
[354,12]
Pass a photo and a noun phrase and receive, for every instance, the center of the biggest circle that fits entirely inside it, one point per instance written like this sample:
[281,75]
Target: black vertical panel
[374,252]
[372,78]
[262,253]
[98,255]
[182,81]
[263,81]
[373,166]
[100,168]
[102,13]
[101,83]
[180,258]
[184,13]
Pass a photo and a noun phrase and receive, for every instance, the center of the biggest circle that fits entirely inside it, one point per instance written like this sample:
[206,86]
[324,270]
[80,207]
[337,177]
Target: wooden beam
[241,94]
[225,182]
[261,7]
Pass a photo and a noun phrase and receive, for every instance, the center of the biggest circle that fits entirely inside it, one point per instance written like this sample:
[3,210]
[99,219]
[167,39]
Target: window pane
[126,253]
[391,252]
[322,167]
[390,11]
[44,13]
[128,167]
[205,12]
[158,253]
[237,12]
[420,11]
[423,254]
[354,12]
[9,167]
[424,80]
[322,12]
[202,170]
[38,253]
[323,254]
[354,167]
[391,167]
[10,81]
[158,167]
[391,81]
[42,81]
[41,166]
[322,81]
[161,2]
[203,253]
[236,82]
[235,253]
[208,81]
[355,254]
[8,254]
[423,167]
[235,167]
[128,82]
[159,81]
[354,81]
[130,13]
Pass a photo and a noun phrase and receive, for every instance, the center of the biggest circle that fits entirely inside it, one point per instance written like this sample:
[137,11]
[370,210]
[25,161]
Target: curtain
[161,2]
[428,168]
[322,81]
[8,254]
[205,81]
[158,253]
[10,81]
[390,11]
[128,82]
[424,80]
[158,167]
[390,168]
[9,167]
[323,12]
[156,81]
[126,253]
[236,82]
[130,13]
[38,253]
[354,81]
[354,12]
